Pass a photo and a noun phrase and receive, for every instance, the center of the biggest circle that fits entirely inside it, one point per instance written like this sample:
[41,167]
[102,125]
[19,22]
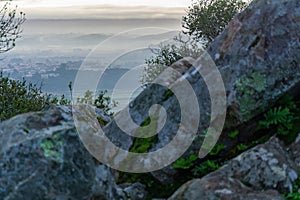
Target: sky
[58,3]
[103,9]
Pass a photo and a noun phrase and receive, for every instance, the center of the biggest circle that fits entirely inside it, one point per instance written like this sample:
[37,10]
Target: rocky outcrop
[258,55]
[42,157]
[219,187]
[263,172]
[258,58]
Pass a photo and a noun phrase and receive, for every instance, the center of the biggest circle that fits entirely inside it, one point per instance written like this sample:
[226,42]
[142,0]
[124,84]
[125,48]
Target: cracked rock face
[263,172]
[220,187]
[258,58]
[258,55]
[266,166]
[41,157]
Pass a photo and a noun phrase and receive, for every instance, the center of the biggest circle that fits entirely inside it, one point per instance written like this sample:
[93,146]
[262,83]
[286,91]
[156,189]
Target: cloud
[59,3]
[102,12]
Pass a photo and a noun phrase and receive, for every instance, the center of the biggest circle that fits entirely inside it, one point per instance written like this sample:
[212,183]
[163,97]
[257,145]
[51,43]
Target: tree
[10,27]
[206,19]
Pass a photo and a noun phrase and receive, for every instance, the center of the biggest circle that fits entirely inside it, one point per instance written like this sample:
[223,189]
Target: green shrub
[205,168]
[58,100]
[205,20]
[142,145]
[102,101]
[105,103]
[293,196]
[18,97]
[233,134]
[216,150]
[242,147]
[167,54]
[164,57]
[185,163]
[283,118]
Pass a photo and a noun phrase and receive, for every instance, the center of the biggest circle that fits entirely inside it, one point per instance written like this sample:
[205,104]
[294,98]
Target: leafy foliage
[102,101]
[167,54]
[87,98]
[206,19]
[216,150]
[18,97]
[205,167]
[233,134]
[275,116]
[242,147]
[10,27]
[293,196]
[283,118]
[142,145]
[185,163]
[59,101]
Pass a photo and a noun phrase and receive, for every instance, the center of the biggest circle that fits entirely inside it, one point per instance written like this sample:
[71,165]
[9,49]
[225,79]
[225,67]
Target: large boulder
[263,172]
[258,55]
[219,187]
[42,157]
[258,58]
[266,166]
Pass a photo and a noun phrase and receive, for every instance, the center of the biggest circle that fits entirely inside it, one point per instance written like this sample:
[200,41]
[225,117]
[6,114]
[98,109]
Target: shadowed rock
[258,58]
[42,157]
[268,170]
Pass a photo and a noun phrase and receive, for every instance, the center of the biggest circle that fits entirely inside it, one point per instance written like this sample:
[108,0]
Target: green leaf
[233,134]
[185,163]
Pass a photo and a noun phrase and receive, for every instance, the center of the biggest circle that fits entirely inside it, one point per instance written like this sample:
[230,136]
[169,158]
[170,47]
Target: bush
[167,54]
[206,19]
[102,101]
[18,97]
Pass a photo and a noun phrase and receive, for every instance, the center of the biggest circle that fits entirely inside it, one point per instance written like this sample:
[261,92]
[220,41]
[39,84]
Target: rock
[135,191]
[294,151]
[267,170]
[220,187]
[105,186]
[102,115]
[266,166]
[258,58]
[41,157]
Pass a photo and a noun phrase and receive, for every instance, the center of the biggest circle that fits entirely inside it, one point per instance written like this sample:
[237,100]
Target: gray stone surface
[41,157]
[258,55]
[263,172]
[266,166]
[258,58]
[134,191]
[219,187]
